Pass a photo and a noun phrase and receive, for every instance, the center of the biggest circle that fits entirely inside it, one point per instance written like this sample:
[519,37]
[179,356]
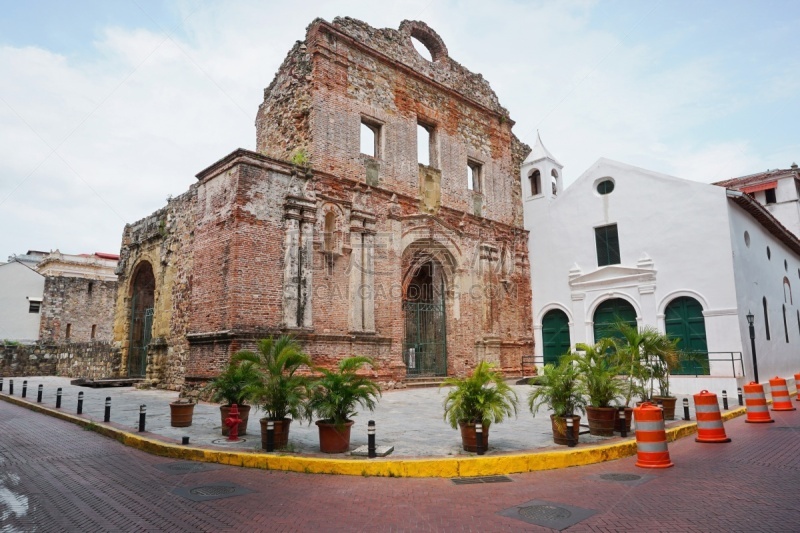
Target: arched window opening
[766,317]
[610,312]
[554,181]
[785,328]
[422,49]
[555,335]
[684,322]
[142,310]
[536,179]
[787,291]
[330,232]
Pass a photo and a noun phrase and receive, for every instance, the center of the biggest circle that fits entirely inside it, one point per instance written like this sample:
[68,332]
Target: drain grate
[210,491]
[620,477]
[548,514]
[544,512]
[484,479]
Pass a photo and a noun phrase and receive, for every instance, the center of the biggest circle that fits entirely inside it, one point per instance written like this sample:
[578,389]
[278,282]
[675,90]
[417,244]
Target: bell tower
[541,174]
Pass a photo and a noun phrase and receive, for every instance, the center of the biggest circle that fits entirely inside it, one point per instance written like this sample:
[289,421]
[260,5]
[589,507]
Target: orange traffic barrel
[796,386]
[780,395]
[651,439]
[756,404]
[709,420]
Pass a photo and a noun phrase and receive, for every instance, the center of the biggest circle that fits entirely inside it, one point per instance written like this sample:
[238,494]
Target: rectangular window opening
[769,196]
[474,175]
[90,287]
[34,306]
[94,330]
[607,242]
[370,138]
[427,153]
[68,334]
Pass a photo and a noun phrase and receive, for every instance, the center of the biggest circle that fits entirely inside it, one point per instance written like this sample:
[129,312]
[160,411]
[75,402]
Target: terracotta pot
[559,425]
[281,432]
[628,417]
[180,414]
[469,439]
[668,403]
[334,438]
[601,420]
[244,412]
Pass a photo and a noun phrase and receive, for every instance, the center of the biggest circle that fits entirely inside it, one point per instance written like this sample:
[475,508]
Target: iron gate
[141,330]
[425,346]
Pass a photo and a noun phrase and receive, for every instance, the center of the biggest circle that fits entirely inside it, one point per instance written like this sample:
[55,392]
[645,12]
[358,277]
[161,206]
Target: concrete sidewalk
[409,419]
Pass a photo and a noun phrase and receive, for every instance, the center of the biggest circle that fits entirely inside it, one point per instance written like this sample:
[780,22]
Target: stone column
[291,262]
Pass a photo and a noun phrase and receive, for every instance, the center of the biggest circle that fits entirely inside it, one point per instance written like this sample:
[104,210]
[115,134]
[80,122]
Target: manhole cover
[226,442]
[620,477]
[183,467]
[212,491]
[544,512]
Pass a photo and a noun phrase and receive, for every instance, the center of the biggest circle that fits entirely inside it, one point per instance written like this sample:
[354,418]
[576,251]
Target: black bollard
[39,393]
[570,432]
[107,416]
[25,388]
[479,438]
[58,398]
[624,432]
[725,400]
[739,392]
[371,439]
[11,387]
[270,436]
[142,415]
[686,409]
[80,403]
[1,384]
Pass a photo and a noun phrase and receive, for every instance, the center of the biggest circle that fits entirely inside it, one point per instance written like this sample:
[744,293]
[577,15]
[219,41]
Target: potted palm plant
[279,391]
[333,398]
[599,385]
[481,397]
[233,386]
[559,390]
[663,361]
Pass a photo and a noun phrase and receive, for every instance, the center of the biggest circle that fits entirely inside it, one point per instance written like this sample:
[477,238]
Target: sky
[109,108]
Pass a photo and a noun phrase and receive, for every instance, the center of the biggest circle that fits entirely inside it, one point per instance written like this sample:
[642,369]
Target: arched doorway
[683,320]
[555,335]
[142,300]
[425,341]
[609,312]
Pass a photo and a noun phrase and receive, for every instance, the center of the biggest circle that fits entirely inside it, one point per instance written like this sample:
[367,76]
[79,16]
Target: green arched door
[684,321]
[555,335]
[610,311]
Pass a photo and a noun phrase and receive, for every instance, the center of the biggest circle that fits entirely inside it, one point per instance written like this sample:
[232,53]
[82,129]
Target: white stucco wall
[787,208]
[674,241]
[18,283]
[758,276]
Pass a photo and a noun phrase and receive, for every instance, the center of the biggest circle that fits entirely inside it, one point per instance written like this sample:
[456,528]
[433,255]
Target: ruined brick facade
[353,253]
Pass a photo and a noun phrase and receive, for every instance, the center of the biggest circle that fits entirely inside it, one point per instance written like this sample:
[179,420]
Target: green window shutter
[607,243]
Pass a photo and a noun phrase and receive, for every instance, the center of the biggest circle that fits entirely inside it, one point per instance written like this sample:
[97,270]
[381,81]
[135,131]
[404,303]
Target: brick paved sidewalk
[56,477]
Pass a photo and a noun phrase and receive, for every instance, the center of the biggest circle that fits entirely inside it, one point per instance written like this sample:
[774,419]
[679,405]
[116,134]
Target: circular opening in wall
[422,49]
[769,253]
[606,186]
[747,239]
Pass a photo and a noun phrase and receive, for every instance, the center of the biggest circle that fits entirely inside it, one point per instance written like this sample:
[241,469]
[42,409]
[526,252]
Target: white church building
[689,258]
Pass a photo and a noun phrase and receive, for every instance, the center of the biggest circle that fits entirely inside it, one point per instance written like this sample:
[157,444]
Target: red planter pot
[334,438]
[281,432]
[469,438]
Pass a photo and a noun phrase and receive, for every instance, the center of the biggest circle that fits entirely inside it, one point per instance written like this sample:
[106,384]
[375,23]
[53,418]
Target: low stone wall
[92,360]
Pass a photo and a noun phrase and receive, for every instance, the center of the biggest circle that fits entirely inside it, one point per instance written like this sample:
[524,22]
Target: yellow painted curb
[444,467]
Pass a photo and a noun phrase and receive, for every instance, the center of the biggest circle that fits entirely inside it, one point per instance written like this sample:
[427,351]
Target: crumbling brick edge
[448,467]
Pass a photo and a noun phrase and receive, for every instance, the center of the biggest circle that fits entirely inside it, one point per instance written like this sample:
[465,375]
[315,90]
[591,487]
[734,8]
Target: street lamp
[750,319]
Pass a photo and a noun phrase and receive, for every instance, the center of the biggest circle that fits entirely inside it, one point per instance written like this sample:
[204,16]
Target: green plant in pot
[234,385]
[662,360]
[333,398]
[483,397]
[280,391]
[560,391]
[599,384]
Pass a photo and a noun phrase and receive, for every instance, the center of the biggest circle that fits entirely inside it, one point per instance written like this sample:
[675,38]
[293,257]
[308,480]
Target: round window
[747,239]
[605,187]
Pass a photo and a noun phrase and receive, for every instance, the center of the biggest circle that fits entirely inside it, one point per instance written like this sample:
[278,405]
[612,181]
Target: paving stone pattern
[55,476]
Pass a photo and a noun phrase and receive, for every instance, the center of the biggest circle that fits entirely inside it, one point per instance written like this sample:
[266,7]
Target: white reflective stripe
[711,424]
[779,387]
[706,408]
[754,396]
[651,446]
[757,408]
[650,426]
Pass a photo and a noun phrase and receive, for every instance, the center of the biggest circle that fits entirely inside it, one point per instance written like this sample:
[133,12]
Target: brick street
[57,477]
